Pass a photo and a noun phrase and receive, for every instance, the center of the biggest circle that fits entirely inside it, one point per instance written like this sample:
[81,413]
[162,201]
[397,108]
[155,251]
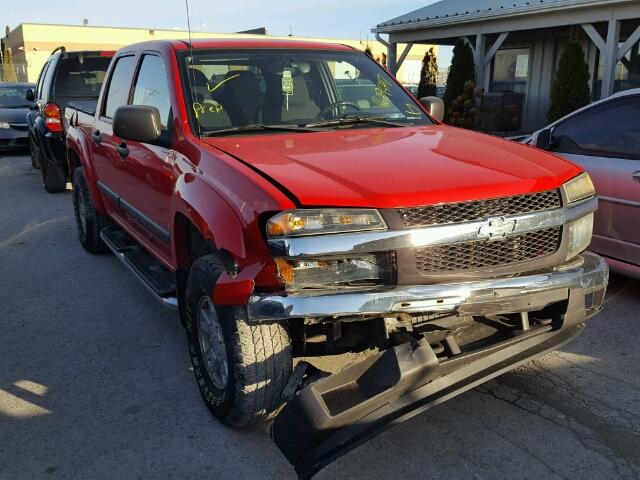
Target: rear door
[605,141]
[146,173]
[103,145]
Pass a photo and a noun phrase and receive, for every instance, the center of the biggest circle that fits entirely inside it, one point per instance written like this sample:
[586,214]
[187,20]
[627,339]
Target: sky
[323,18]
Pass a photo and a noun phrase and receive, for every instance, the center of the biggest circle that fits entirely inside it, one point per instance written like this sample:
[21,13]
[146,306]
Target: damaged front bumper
[330,417]
[586,272]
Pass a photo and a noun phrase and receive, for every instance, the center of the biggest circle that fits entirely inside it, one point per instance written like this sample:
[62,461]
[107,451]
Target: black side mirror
[140,123]
[29,95]
[435,107]
[545,139]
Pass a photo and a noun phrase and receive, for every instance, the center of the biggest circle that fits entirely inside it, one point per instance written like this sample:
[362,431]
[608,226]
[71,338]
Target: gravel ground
[95,382]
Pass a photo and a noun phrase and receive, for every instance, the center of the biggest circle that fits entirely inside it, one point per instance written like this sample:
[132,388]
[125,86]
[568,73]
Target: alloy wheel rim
[212,344]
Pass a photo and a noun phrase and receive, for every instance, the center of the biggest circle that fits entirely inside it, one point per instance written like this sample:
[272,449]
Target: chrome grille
[486,253]
[479,209]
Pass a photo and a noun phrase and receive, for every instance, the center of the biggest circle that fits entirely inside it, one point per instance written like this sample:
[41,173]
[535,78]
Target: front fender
[77,144]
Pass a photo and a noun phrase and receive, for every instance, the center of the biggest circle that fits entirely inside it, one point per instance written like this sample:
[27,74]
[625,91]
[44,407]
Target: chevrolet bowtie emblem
[497,228]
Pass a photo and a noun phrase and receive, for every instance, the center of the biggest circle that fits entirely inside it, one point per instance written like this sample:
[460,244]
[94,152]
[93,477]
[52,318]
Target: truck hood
[397,167]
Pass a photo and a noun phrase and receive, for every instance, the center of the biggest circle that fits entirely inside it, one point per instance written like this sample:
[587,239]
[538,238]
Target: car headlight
[4,125]
[580,233]
[322,221]
[361,271]
[579,188]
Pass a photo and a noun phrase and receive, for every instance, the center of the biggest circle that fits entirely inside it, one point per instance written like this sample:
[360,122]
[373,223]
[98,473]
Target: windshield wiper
[356,120]
[259,127]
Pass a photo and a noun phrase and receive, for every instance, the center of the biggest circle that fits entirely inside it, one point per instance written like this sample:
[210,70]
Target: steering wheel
[340,104]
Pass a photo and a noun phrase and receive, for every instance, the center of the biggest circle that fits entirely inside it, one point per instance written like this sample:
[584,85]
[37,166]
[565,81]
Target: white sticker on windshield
[287,86]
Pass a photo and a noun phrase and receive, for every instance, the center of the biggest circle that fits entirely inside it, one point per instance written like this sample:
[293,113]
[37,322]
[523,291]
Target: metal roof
[463,11]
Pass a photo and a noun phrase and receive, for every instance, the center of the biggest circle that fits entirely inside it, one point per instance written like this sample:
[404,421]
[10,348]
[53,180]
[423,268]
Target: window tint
[152,88]
[611,129]
[81,76]
[43,73]
[118,93]
[46,82]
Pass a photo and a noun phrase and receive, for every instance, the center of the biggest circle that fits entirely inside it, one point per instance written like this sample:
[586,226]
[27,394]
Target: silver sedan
[604,138]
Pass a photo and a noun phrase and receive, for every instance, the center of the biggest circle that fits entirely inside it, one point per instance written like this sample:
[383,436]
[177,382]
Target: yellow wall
[38,40]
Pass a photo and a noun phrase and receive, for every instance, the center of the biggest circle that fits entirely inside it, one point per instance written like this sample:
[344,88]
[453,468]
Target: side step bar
[159,280]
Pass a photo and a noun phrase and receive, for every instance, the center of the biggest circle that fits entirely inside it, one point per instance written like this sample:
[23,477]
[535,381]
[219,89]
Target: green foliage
[428,75]
[464,111]
[571,86]
[463,69]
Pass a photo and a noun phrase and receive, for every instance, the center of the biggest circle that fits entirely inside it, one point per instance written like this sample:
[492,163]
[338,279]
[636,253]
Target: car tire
[241,369]
[89,221]
[54,175]
[35,155]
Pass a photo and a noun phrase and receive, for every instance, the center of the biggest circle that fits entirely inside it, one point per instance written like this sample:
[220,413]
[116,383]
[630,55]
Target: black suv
[66,78]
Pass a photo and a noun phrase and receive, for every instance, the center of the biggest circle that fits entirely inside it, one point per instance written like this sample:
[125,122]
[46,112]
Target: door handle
[635,176]
[123,150]
[97,136]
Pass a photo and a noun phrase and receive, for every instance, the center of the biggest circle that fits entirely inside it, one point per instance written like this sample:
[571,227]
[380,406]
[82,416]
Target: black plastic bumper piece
[327,419]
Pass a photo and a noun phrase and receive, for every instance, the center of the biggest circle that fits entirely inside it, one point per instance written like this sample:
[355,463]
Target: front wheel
[89,221]
[240,368]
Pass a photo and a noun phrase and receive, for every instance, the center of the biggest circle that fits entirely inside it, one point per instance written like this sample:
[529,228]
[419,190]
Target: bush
[570,89]
[428,75]
[463,69]
[464,111]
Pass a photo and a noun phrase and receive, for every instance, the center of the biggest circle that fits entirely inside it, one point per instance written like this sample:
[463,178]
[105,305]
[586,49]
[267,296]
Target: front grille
[22,127]
[480,209]
[486,253]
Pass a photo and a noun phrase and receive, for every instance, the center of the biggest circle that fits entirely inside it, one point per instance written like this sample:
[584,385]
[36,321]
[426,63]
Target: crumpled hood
[397,167]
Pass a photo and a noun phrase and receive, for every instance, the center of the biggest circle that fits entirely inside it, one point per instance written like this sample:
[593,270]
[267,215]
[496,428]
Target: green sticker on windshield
[381,93]
[287,86]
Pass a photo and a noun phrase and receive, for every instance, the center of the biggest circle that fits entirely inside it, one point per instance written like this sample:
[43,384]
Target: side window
[43,94]
[151,87]
[43,73]
[611,129]
[118,90]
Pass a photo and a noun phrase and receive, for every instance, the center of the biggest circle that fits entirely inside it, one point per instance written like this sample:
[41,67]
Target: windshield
[81,76]
[234,89]
[13,96]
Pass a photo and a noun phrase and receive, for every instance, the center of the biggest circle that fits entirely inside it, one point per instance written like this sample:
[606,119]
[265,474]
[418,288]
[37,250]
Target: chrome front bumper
[587,273]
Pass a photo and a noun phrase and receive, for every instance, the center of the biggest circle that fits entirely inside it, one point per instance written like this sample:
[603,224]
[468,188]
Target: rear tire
[89,221]
[240,368]
[35,155]
[54,175]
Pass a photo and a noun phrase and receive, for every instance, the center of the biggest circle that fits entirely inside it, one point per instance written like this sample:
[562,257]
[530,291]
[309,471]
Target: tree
[463,69]
[428,75]
[570,89]
[368,52]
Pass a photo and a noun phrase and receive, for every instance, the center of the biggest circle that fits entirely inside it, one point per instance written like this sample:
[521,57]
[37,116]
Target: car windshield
[13,96]
[302,88]
[81,76]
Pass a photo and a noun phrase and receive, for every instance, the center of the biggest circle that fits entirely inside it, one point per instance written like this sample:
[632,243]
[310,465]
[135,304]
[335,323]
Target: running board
[159,280]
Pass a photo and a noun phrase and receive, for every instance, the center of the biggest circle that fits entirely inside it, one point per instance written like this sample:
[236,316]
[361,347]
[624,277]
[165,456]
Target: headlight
[579,188]
[580,233]
[366,270]
[323,221]
[4,125]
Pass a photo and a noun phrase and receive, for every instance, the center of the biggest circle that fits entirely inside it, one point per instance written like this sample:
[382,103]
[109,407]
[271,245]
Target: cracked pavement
[95,382]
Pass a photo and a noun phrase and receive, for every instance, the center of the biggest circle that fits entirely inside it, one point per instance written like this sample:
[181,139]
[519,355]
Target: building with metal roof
[518,43]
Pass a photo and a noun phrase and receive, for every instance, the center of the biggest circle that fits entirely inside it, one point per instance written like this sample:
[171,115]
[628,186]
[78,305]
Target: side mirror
[435,107]
[140,123]
[544,140]
[29,95]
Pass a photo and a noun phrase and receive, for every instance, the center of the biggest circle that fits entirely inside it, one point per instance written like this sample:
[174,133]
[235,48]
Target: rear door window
[611,129]
[81,76]
[43,73]
[118,92]
[151,87]
[46,83]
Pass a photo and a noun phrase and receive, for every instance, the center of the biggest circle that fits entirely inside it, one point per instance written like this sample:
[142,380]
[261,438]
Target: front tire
[89,221]
[240,368]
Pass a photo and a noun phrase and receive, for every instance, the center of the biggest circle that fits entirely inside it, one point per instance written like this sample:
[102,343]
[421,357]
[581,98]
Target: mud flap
[332,416]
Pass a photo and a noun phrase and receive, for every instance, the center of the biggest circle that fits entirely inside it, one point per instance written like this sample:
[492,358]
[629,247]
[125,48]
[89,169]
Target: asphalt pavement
[95,382]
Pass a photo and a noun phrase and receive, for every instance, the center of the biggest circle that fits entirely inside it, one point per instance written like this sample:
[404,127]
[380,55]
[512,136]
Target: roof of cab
[240,43]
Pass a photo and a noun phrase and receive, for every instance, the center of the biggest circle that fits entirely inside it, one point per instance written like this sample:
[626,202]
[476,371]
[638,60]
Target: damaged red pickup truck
[293,201]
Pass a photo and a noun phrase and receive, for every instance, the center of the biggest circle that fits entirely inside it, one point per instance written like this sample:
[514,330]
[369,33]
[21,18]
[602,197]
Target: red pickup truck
[294,202]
